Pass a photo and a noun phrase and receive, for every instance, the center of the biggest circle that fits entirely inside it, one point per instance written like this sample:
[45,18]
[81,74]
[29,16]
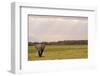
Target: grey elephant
[40,48]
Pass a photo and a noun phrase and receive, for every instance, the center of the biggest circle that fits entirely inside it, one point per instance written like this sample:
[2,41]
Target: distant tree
[64,42]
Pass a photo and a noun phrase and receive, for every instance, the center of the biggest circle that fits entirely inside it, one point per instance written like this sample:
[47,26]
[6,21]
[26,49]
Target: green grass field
[53,52]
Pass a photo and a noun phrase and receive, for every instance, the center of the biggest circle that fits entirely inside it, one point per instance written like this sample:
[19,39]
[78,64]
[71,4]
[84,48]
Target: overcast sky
[52,28]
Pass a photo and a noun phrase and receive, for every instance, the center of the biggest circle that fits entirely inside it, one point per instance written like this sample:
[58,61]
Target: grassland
[53,52]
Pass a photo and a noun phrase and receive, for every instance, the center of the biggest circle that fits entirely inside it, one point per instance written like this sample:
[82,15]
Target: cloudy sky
[52,28]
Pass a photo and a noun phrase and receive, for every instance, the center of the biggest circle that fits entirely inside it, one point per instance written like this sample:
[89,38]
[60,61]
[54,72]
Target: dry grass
[53,52]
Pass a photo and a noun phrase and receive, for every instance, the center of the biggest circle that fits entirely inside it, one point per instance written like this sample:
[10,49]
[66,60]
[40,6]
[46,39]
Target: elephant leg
[39,53]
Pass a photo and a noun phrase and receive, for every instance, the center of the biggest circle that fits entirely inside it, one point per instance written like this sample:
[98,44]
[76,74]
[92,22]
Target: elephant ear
[42,46]
[38,46]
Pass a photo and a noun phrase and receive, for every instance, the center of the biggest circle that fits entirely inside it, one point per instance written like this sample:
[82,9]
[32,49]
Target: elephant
[40,48]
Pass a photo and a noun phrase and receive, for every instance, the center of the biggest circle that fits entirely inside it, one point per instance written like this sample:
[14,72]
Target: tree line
[64,42]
